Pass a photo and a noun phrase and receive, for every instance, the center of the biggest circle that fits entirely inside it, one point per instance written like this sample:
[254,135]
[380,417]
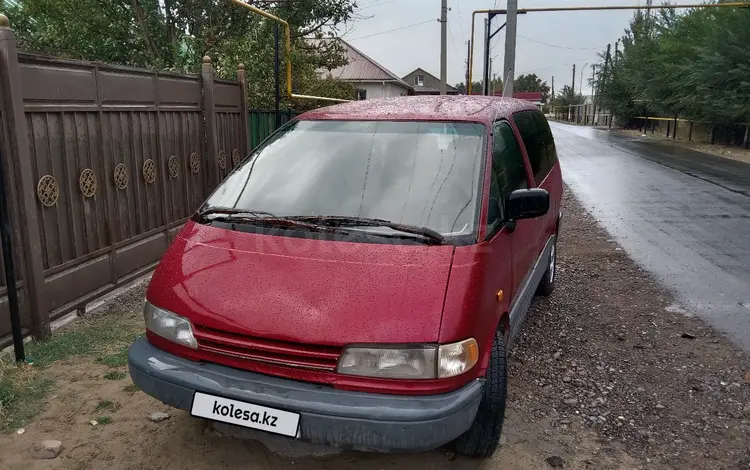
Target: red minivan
[357,280]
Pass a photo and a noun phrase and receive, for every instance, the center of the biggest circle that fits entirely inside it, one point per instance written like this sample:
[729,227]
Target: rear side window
[537,138]
[547,139]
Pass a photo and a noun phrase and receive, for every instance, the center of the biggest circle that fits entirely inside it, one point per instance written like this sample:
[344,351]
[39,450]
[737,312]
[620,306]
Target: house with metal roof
[371,79]
[425,83]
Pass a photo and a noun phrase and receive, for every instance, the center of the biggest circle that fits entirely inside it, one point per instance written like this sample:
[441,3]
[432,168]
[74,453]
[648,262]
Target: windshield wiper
[432,236]
[230,211]
[243,216]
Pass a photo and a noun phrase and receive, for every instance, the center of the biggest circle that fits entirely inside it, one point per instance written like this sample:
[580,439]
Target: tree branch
[312,29]
[141,19]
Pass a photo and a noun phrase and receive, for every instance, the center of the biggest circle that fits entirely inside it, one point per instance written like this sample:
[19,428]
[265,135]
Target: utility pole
[573,88]
[593,95]
[604,77]
[510,47]
[572,94]
[580,85]
[467,66]
[552,99]
[486,75]
[492,84]
[443,47]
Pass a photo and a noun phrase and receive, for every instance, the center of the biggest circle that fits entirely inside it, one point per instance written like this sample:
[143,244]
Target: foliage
[530,82]
[694,65]
[567,97]
[476,87]
[174,35]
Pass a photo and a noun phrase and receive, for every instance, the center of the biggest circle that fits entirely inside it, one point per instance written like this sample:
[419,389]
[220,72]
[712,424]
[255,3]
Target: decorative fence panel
[106,163]
[229,125]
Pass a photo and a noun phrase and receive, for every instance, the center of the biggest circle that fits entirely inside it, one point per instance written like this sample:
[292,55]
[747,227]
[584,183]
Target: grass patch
[131,388]
[107,405]
[115,375]
[103,420]
[24,388]
[88,336]
[118,359]
[21,396]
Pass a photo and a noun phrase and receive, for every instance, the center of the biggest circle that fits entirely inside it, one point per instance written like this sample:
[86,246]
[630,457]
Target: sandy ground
[600,378]
[734,153]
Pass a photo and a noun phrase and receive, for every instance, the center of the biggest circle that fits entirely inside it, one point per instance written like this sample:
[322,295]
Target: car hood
[303,290]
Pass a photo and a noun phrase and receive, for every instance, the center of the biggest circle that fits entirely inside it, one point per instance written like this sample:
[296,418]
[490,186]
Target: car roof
[484,109]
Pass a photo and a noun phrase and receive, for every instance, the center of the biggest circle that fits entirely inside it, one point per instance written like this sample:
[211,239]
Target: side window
[495,212]
[548,140]
[533,140]
[507,160]
[508,172]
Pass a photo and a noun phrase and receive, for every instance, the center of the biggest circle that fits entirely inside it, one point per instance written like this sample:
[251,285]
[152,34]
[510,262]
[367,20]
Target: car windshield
[423,174]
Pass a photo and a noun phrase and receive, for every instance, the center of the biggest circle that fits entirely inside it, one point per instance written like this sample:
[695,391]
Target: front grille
[300,356]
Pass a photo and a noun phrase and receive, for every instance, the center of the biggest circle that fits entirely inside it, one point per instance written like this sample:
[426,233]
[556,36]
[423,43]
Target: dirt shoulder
[733,153]
[601,377]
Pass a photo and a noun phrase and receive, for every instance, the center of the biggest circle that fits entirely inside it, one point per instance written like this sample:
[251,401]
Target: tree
[694,65]
[476,87]
[530,82]
[174,35]
[566,100]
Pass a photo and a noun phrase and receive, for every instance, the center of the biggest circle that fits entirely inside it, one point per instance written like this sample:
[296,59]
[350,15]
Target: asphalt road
[683,215]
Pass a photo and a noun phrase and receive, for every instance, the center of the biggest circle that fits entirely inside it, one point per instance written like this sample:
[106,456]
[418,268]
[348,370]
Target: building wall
[380,90]
[429,80]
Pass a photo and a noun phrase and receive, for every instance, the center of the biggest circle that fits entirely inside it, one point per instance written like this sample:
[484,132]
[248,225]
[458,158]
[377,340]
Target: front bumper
[328,416]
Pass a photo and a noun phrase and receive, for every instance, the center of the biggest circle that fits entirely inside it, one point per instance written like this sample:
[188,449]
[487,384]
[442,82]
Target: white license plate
[245,414]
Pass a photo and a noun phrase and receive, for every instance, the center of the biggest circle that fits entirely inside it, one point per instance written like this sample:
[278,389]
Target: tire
[547,284]
[482,438]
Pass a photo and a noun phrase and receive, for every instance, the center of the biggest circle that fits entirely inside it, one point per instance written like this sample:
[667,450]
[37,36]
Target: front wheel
[484,434]
[547,284]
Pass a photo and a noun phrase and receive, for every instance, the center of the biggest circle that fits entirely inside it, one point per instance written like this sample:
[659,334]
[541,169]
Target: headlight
[410,362]
[169,326]
[416,362]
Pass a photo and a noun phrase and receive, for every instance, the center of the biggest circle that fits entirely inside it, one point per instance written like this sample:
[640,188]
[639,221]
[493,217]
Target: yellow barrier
[288,51]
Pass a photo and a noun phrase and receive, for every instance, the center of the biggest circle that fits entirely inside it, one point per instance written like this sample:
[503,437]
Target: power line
[552,67]
[376,4]
[460,23]
[392,30]
[450,34]
[559,47]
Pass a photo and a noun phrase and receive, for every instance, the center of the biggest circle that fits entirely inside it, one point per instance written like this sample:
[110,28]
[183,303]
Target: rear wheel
[484,434]
[547,284]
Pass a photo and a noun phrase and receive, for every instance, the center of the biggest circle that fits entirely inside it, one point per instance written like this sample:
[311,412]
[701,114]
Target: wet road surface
[683,215]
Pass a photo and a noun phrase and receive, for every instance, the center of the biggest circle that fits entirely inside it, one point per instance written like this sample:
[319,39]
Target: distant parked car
[358,279]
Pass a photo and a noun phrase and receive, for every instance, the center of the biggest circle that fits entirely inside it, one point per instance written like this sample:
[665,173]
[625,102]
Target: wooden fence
[103,165]
[732,134]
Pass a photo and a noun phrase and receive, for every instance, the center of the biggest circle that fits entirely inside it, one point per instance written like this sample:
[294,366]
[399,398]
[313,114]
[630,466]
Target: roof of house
[362,68]
[528,95]
[427,88]
[483,109]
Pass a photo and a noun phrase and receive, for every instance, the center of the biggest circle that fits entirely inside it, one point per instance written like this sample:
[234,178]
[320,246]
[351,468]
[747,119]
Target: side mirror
[526,204]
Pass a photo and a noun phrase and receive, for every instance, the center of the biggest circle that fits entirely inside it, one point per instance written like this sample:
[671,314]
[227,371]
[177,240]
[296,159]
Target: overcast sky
[569,37]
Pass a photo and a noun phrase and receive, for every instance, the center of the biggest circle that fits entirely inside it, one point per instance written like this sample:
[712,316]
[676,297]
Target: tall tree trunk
[140,17]
[170,21]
